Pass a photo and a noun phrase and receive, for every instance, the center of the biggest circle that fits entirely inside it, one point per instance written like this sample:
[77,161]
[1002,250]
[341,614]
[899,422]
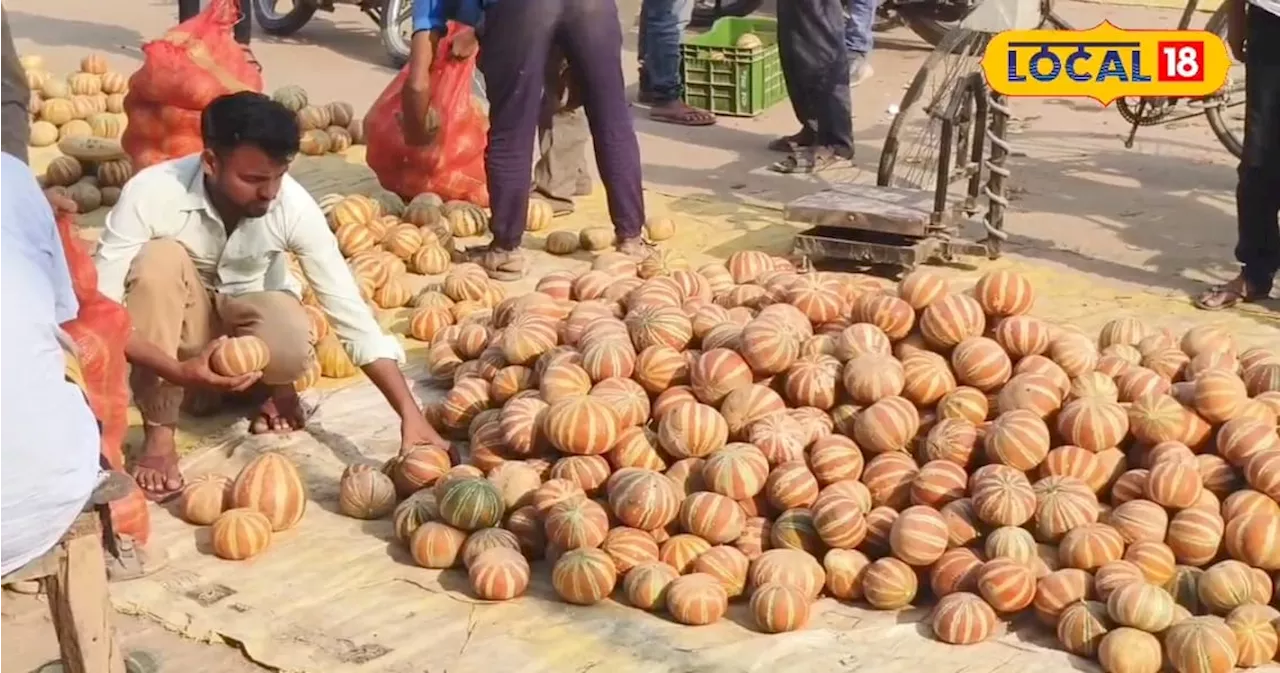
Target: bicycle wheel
[909,155]
[1224,110]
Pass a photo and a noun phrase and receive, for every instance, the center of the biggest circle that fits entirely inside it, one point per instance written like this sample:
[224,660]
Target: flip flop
[806,162]
[499,265]
[131,561]
[682,115]
[163,466]
[1225,296]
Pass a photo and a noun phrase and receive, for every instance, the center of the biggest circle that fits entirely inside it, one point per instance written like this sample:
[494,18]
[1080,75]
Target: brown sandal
[501,265]
[634,247]
[1227,295]
[681,113]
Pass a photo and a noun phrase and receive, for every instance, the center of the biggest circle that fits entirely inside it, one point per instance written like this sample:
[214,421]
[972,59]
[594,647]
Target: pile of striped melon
[87,103]
[328,128]
[748,431]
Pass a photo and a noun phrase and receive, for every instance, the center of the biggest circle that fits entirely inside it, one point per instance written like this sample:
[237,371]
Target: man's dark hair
[250,118]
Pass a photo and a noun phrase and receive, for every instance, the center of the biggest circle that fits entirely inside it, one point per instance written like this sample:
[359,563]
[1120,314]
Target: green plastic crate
[728,80]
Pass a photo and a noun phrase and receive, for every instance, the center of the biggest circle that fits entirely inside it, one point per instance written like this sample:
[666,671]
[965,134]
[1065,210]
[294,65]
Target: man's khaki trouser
[171,308]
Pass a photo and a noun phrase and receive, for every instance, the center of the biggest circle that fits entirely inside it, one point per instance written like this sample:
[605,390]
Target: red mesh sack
[181,73]
[452,164]
[100,331]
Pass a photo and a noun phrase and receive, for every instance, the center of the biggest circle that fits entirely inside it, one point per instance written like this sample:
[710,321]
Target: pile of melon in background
[331,128]
[384,240]
[90,172]
[88,103]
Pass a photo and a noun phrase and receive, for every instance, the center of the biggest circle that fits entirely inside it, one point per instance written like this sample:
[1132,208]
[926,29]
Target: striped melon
[471,504]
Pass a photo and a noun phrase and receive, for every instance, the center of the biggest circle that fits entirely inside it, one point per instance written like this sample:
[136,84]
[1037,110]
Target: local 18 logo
[1105,63]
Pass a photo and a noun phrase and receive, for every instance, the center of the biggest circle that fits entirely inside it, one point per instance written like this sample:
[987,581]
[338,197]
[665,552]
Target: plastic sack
[182,72]
[452,164]
[100,331]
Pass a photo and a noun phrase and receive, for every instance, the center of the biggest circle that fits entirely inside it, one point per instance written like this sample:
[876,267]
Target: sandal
[1229,294]
[634,247]
[501,265]
[789,144]
[807,161]
[165,465]
[129,561]
[680,113]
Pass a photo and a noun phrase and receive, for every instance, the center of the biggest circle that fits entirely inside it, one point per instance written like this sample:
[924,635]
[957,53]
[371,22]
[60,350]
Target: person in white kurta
[49,442]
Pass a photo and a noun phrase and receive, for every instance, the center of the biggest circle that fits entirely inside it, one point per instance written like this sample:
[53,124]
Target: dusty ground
[1136,226]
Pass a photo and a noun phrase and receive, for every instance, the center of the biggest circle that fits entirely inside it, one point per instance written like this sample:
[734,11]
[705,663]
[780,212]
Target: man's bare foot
[281,413]
[156,470]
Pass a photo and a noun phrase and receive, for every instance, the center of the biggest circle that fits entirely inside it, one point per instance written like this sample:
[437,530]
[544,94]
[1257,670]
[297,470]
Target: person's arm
[429,22]
[377,353]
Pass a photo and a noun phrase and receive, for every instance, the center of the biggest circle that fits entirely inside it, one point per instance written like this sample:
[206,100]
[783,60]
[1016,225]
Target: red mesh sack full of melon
[452,163]
[182,72]
[100,330]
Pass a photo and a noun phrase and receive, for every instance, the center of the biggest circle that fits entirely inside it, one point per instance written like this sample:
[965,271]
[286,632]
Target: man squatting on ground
[196,250]
[815,64]
[1253,32]
[516,40]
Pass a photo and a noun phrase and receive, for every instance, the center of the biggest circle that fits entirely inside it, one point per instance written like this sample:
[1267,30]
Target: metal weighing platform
[897,227]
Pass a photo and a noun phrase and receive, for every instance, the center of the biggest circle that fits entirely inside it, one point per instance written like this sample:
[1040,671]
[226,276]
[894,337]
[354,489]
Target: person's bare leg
[156,470]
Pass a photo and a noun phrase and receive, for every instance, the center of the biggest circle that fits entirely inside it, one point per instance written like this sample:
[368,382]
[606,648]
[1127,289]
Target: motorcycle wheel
[396,30]
[287,23]
[705,12]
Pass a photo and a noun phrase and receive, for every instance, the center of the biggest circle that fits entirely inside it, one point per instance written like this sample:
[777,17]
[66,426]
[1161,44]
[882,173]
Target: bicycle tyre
[910,99]
[1218,26]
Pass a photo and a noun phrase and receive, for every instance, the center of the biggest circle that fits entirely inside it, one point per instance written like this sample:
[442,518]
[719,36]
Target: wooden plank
[893,210]
[80,603]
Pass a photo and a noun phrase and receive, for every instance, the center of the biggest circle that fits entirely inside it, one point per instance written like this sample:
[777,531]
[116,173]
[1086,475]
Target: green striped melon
[472,504]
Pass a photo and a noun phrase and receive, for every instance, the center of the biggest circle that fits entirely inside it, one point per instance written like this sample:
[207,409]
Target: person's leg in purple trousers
[515,42]
[591,36]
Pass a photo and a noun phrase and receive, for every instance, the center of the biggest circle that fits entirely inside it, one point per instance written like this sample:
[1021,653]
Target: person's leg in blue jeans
[661,80]
[858,39]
